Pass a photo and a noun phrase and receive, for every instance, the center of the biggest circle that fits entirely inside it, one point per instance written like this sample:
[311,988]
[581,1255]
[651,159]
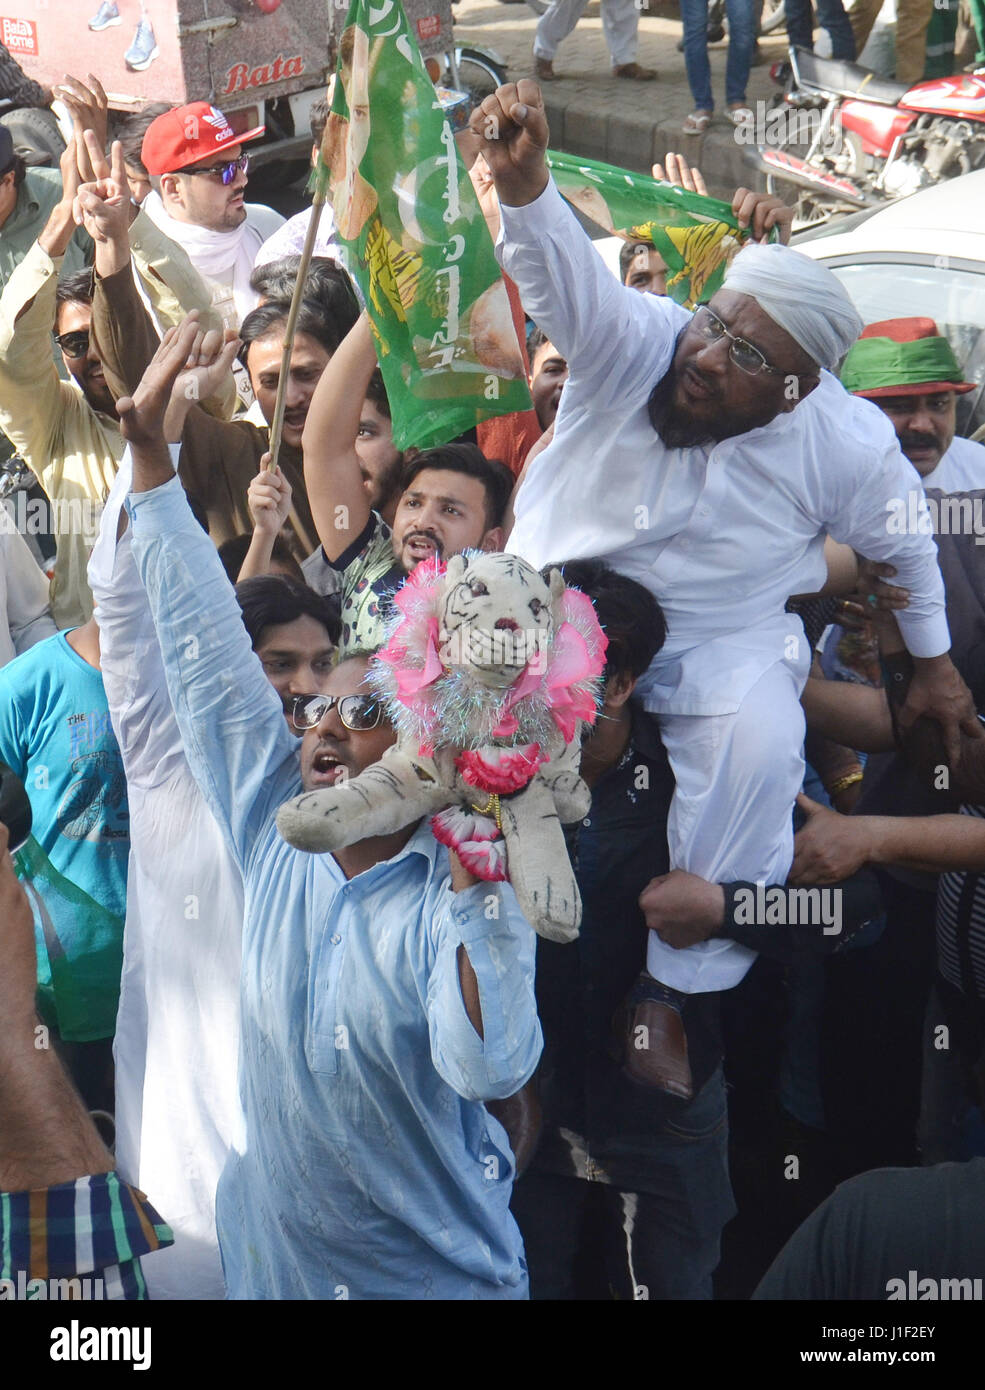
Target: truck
[262,62]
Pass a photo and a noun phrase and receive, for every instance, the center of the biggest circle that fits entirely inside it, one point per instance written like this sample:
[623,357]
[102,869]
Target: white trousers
[620,22]
[731,817]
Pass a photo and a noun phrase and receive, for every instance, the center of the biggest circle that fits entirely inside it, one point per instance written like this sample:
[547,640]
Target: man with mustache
[708,456]
[452,498]
[198,174]
[908,368]
[219,457]
[66,430]
[177,1030]
[385,992]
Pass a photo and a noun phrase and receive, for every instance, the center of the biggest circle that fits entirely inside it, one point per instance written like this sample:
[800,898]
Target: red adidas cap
[187,135]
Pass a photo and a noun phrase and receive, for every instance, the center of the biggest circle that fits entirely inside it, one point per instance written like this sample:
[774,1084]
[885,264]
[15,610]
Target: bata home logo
[241,77]
[429,27]
[20,35]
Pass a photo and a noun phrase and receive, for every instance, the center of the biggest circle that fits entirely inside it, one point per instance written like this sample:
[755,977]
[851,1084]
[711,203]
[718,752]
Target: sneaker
[105,17]
[143,50]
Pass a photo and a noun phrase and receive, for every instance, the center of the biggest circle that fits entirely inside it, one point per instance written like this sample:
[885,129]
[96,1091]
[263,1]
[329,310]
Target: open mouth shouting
[421,545]
[327,768]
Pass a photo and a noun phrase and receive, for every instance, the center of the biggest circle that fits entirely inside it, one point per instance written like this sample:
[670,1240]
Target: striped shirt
[961,926]
[81,1239]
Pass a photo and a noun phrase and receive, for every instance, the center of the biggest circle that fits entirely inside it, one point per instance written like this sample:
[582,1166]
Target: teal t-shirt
[55,732]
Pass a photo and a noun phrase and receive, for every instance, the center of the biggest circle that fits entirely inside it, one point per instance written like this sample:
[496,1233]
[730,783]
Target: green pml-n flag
[417,242]
[697,236]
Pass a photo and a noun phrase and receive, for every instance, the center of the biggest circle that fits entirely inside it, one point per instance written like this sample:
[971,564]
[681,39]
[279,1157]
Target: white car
[920,256]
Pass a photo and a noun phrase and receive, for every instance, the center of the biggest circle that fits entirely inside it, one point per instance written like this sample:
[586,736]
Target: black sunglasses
[357,712]
[227,172]
[74,344]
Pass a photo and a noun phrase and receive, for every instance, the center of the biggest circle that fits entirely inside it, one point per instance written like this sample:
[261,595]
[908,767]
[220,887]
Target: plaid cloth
[96,1226]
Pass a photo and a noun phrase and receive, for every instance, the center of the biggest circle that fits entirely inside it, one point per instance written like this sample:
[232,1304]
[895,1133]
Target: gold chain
[491,806]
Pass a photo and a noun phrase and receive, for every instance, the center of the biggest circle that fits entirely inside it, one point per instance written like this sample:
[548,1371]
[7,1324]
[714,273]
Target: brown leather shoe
[521,1117]
[544,69]
[634,72]
[656,1049]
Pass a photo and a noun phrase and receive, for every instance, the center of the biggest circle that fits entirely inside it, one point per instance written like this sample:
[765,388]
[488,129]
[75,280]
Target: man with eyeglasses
[67,430]
[708,457]
[177,1028]
[198,172]
[385,992]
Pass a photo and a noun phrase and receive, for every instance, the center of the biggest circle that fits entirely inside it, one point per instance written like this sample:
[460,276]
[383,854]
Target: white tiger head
[497,614]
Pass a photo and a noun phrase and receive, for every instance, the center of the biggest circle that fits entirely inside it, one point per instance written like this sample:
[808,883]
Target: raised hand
[87,104]
[681,174]
[186,362]
[269,499]
[60,227]
[512,131]
[209,360]
[102,205]
[142,414]
[761,212]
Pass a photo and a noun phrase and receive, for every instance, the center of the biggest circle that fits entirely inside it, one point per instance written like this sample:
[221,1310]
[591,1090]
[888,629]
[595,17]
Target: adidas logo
[219,123]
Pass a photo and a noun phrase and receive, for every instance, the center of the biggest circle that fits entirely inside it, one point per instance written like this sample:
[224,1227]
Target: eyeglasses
[748,359]
[357,712]
[74,344]
[227,172]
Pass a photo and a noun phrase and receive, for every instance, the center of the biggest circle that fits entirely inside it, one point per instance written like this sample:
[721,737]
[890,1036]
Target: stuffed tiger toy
[488,676]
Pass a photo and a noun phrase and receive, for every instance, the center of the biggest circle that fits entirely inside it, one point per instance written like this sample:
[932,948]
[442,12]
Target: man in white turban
[708,457]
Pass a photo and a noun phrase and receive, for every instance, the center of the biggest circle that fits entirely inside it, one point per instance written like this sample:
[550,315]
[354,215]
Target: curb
[637,145]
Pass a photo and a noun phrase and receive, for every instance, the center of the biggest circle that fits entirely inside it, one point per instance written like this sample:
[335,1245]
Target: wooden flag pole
[277,424]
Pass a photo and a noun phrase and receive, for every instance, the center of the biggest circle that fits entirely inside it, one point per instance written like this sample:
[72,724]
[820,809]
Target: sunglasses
[358,713]
[74,344]
[227,172]
[748,359]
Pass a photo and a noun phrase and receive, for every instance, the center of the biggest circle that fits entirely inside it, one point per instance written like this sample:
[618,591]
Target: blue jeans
[659,1243]
[741,15]
[831,16]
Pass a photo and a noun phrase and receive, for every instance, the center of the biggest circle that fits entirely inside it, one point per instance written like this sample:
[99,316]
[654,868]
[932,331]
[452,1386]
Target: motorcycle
[869,140]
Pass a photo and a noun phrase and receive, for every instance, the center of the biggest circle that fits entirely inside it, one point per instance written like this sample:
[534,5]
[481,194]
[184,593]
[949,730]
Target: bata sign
[19,35]
[241,76]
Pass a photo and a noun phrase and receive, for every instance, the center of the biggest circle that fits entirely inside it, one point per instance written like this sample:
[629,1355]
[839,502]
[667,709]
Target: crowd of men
[248,1071]
[846,28]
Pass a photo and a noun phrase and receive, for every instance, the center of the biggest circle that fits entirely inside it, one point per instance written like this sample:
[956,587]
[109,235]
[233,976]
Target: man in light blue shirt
[385,993]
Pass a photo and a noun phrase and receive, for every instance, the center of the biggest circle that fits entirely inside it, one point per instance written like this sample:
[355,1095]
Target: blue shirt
[55,732]
[372,1169]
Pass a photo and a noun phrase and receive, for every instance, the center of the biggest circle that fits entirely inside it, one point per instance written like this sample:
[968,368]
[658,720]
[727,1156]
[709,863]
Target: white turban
[800,295]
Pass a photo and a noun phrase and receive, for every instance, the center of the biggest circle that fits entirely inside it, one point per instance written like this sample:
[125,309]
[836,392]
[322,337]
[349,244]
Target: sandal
[740,115]
[697,123]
